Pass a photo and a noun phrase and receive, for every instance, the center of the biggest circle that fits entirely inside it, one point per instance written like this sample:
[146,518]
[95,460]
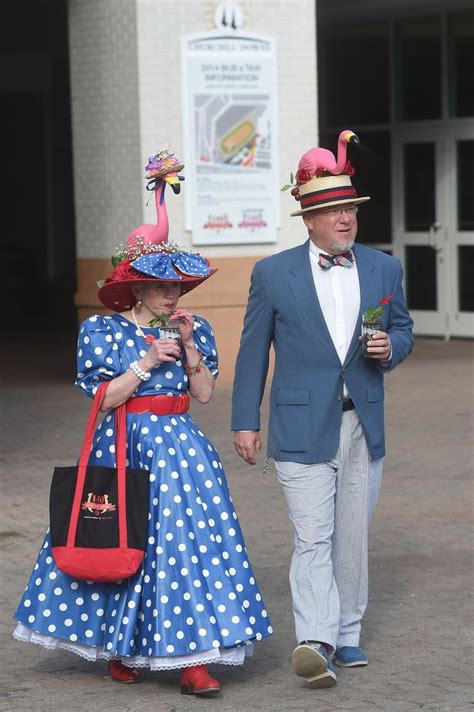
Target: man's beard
[337,248]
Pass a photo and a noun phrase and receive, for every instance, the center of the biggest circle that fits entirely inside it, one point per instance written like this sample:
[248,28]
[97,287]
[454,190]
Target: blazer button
[343,370]
[339,398]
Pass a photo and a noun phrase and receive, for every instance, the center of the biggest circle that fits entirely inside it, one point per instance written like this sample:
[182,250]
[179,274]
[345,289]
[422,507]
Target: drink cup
[368,329]
[170,330]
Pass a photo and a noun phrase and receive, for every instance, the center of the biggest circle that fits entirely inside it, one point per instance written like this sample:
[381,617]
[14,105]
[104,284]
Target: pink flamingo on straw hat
[162,169]
[324,161]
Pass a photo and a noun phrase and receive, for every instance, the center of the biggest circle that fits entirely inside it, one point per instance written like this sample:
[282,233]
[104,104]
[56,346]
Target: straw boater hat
[322,181]
[148,257]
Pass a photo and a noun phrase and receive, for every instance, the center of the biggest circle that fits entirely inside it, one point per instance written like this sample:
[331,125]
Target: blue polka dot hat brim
[118,296]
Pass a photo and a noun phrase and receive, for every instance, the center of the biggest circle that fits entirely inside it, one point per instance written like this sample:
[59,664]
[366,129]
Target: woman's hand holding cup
[186,325]
[160,351]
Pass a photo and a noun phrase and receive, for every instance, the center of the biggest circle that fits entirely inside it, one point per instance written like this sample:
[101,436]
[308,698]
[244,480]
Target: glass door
[433,218]
[461,150]
[420,225]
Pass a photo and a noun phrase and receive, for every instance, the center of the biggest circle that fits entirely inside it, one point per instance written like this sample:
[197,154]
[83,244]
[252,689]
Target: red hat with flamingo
[322,181]
[148,257]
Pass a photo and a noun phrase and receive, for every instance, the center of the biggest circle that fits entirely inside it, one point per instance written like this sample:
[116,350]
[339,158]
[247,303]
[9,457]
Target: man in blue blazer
[326,429]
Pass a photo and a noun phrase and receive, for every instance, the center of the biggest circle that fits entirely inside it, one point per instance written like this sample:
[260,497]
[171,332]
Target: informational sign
[230,138]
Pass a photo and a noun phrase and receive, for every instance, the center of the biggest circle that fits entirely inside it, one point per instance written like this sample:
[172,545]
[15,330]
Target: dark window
[418,43]
[35,126]
[466,281]
[465,187]
[25,253]
[371,161]
[461,63]
[420,276]
[354,75]
[419,186]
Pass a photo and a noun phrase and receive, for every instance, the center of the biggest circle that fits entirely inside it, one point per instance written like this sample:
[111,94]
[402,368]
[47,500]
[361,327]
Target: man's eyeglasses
[351,210]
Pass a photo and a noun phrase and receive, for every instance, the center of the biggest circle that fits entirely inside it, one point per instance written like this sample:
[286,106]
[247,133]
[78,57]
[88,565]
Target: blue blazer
[305,400]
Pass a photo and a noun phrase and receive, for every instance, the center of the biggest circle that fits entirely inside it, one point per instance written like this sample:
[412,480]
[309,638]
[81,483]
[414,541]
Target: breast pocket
[292,419]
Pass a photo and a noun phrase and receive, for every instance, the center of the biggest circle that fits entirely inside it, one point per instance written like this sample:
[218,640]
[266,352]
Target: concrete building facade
[128,54]
[97,85]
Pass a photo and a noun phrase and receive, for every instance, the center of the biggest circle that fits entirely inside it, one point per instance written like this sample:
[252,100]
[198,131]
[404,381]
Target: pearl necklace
[149,338]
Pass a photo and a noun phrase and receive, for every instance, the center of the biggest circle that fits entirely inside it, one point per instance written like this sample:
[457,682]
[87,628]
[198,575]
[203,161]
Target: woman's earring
[139,304]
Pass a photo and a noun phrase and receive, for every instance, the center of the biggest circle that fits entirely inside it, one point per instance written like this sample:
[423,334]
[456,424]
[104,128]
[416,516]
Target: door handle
[432,241]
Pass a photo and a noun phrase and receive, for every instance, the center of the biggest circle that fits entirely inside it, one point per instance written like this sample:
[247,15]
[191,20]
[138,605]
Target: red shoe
[197,681]
[121,673]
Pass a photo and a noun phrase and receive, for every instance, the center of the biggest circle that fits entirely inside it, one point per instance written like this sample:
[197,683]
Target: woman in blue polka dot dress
[195,599]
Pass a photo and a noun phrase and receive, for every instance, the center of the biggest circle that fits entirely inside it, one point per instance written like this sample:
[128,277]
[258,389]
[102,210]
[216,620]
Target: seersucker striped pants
[330,505]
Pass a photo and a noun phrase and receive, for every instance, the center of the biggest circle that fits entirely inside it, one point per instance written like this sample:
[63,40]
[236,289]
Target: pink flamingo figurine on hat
[162,169]
[325,160]
[322,181]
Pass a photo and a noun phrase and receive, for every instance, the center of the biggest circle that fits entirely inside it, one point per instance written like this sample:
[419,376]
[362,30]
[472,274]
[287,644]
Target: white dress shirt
[339,297]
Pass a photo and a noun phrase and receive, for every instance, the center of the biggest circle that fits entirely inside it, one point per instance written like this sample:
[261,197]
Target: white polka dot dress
[195,599]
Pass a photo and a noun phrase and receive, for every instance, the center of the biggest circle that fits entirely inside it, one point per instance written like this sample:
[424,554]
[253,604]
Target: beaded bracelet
[192,370]
[139,372]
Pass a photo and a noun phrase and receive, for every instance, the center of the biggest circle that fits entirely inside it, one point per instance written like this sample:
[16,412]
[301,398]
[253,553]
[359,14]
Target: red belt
[159,405]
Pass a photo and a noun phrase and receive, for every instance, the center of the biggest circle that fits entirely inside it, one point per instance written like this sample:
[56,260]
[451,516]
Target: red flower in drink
[372,315]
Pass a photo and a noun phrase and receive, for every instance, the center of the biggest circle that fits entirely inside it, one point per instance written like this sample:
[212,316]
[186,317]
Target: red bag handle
[120,456]
[121,460]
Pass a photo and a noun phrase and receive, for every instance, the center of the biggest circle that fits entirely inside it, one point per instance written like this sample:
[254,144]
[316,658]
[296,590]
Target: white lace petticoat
[219,656]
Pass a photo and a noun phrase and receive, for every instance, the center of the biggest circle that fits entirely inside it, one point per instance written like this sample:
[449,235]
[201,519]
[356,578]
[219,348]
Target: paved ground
[418,625]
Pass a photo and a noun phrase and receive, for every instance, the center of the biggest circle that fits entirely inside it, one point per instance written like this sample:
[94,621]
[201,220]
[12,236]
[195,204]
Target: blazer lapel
[368,295]
[302,286]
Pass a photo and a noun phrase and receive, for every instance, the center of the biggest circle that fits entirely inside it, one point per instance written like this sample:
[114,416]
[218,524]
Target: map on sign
[233,130]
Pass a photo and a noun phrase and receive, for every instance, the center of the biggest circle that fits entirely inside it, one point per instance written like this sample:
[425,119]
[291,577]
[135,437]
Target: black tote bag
[99,515]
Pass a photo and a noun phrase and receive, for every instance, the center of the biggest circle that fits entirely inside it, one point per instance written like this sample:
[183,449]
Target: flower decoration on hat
[145,262]
[293,184]
[161,163]
[304,175]
[139,248]
[165,261]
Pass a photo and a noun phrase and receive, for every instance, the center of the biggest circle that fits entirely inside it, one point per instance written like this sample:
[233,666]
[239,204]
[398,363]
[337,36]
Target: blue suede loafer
[349,656]
[312,661]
